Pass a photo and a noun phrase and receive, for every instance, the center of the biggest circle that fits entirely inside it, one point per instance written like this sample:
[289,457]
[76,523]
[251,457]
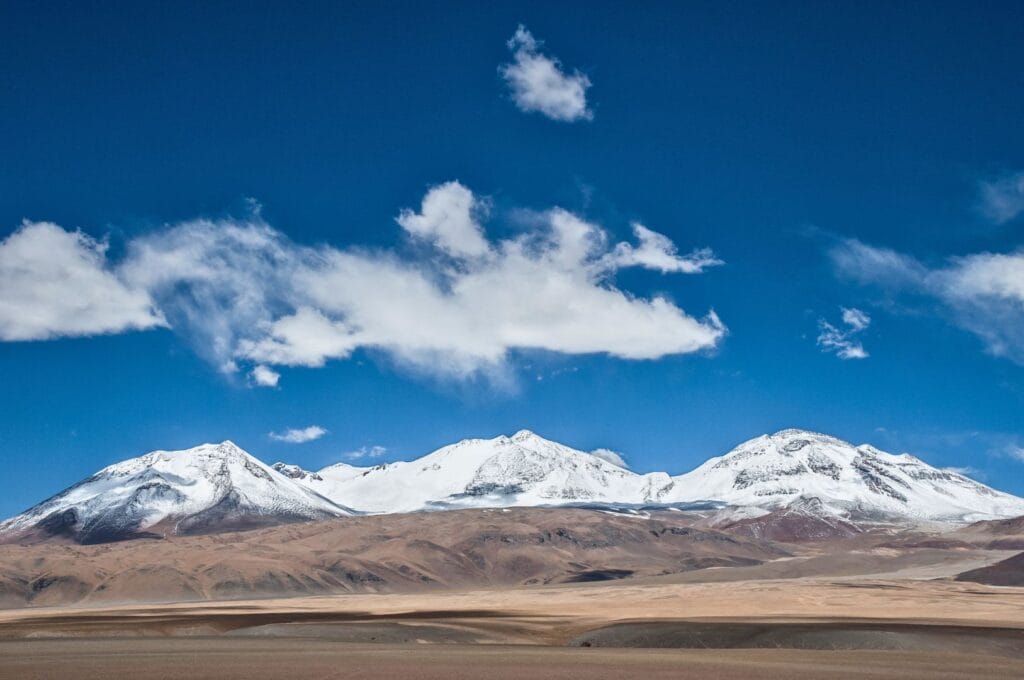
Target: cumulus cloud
[446,218]
[264,377]
[57,283]
[656,251]
[843,341]
[610,456]
[1003,199]
[245,296]
[539,84]
[299,435]
[982,293]
[366,452]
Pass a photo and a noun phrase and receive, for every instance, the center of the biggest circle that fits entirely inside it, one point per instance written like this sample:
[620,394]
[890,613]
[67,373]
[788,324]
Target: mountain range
[793,481]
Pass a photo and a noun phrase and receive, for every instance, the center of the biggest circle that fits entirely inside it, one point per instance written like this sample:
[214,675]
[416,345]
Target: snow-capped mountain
[520,470]
[776,470]
[792,482]
[761,475]
[208,488]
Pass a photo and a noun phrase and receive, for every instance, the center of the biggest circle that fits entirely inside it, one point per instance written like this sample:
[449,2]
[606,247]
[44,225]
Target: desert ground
[798,628]
[512,595]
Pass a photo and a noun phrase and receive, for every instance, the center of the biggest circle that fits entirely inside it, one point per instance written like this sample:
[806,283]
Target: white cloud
[245,296]
[982,293]
[842,341]
[304,338]
[855,318]
[610,456]
[656,251]
[299,435]
[547,290]
[446,218]
[57,283]
[362,452]
[860,262]
[1015,452]
[1003,199]
[264,377]
[539,84]
[217,282]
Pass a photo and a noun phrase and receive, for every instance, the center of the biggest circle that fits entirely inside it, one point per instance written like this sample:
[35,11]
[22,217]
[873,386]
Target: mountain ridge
[764,473]
[790,483]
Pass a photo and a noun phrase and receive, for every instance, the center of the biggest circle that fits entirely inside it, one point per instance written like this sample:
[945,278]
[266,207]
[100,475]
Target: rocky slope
[384,553]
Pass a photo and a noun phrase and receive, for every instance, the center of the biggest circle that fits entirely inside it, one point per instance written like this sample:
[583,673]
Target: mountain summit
[209,488]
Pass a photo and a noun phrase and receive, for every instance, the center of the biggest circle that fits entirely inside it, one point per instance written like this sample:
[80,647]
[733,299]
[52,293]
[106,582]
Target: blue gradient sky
[768,132]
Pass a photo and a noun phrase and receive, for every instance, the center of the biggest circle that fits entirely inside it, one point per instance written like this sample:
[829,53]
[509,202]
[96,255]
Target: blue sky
[833,157]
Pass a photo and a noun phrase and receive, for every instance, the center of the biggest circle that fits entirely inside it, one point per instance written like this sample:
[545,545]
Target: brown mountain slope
[386,553]
[998,534]
[1009,572]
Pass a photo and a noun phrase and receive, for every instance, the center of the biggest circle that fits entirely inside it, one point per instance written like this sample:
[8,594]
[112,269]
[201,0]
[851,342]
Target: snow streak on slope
[763,474]
[208,488]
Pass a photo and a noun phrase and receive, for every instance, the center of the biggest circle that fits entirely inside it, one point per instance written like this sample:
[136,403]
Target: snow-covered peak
[526,436]
[775,470]
[206,457]
[522,469]
[206,488]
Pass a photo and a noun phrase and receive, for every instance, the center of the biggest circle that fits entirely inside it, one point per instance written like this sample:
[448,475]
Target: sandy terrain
[555,614]
[510,595]
[793,628]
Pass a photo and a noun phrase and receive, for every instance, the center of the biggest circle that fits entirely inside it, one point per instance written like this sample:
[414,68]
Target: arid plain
[523,593]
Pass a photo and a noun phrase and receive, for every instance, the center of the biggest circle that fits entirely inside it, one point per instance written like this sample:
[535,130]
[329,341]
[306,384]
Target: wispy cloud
[456,306]
[982,292]
[1002,199]
[843,341]
[613,457]
[656,251]
[538,82]
[856,319]
[299,435]
[366,452]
